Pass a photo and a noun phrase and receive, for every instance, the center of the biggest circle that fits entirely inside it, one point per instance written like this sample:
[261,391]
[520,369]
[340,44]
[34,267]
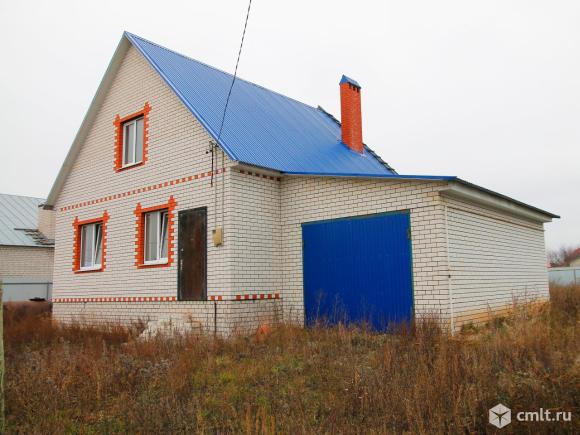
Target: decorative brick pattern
[77,224]
[140,232]
[148,188]
[118,123]
[245,297]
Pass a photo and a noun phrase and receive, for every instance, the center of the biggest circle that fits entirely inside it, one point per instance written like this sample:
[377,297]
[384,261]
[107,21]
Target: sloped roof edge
[90,115]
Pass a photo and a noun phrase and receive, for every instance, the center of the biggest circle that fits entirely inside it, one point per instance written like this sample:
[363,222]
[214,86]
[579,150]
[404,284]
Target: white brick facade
[26,261]
[177,150]
[312,199]
[495,260]
[261,213]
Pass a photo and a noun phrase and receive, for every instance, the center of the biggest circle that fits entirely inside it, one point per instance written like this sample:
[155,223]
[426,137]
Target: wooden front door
[192,272]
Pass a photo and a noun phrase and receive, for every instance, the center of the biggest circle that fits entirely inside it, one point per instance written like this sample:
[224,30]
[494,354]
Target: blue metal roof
[18,213]
[262,127]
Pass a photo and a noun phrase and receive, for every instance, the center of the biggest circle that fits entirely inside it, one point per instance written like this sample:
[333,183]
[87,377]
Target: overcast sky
[486,90]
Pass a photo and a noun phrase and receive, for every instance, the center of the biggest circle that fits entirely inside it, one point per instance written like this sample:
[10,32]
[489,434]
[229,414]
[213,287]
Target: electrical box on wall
[218,236]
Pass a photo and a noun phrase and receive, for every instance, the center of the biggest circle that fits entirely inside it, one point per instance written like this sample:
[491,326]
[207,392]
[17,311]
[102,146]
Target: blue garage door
[358,270]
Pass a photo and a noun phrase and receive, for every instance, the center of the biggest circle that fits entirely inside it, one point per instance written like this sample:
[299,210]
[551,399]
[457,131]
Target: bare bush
[563,256]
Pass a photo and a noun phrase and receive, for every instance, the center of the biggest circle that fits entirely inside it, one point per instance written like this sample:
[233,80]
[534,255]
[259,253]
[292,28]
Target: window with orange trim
[132,139]
[154,235]
[90,244]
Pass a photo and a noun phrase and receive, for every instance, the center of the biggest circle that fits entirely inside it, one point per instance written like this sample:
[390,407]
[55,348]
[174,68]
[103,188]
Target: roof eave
[372,176]
[465,190]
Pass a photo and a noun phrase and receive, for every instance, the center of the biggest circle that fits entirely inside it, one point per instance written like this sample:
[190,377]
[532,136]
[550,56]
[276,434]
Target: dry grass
[326,380]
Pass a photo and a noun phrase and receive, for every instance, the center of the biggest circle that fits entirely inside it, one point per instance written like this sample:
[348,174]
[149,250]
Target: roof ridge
[218,69]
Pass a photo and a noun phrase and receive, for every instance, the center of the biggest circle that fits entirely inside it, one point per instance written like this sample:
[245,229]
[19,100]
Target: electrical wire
[235,71]
[222,126]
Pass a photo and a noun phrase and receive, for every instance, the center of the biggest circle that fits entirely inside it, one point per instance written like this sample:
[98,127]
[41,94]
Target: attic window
[133,141]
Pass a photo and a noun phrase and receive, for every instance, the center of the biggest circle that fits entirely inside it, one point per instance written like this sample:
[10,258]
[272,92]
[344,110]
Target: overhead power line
[236,70]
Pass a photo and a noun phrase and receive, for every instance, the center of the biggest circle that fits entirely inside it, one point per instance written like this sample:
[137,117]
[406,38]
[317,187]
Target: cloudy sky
[486,90]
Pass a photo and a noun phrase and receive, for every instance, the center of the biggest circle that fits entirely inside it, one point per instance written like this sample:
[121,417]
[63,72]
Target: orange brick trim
[118,299]
[77,224]
[148,188]
[140,233]
[118,123]
[257,296]
[165,298]
[255,174]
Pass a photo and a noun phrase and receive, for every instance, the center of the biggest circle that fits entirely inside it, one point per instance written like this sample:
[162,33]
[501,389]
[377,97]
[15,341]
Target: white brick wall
[46,222]
[495,259]
[26,261]
[306,199]
[255,233]
[223,318]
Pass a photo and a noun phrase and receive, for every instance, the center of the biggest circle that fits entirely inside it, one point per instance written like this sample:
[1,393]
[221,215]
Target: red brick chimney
[350,114]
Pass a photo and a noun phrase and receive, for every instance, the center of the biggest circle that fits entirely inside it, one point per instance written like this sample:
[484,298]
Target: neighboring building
[575,262]
[26,248]
[564,275]
[567,275]
[284,213]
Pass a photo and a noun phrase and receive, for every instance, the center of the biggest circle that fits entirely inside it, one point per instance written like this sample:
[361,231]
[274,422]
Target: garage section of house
[496,260]
[381,251]
[358,269]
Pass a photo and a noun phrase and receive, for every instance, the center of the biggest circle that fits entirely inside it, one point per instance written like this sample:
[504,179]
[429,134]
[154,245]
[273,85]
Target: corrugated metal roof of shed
[18,212]
[262,127]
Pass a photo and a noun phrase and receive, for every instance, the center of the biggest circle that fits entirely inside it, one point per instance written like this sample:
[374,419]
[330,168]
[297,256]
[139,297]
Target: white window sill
[88,269]
[156,262]
[130,165]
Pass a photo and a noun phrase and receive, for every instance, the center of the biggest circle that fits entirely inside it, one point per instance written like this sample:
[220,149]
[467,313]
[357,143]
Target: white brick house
[158,215]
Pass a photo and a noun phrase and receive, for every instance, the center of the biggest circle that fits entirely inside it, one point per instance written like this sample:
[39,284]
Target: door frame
[406,211]
[181,212]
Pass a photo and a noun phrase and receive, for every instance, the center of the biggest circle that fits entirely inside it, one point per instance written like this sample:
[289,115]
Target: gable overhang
[87,122]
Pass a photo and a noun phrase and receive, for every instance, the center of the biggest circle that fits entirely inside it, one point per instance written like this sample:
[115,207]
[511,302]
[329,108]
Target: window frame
[78,244]
[94,250]
[140,242]
[120,123]
[137,160]
[160,230]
